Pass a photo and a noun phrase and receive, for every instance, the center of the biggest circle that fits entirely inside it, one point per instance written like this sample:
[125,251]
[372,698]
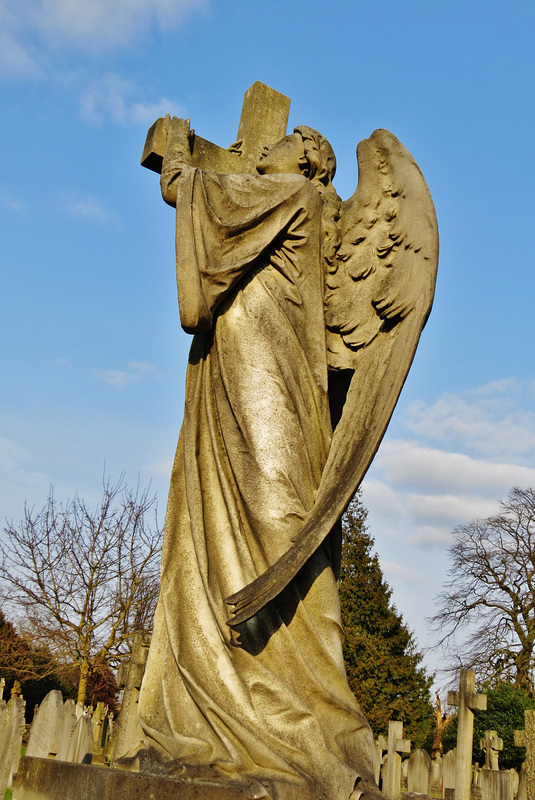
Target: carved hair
[320,170]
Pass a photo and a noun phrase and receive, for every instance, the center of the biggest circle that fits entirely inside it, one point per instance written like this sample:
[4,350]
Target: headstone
[467,701]
[11,727]
[97,721]
[127,731]
[391,786]
[67,730]
[2,687]
[449,770]
[81,746]
[47,726]
[419,772]
[437,765]
[491,745]
[526,738]
[522,791]
[496,785]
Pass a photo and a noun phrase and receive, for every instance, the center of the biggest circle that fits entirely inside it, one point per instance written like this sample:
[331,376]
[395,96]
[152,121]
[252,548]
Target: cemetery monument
[305,311]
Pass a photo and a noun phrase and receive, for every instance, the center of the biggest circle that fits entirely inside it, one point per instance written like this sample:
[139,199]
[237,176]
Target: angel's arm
[177,155]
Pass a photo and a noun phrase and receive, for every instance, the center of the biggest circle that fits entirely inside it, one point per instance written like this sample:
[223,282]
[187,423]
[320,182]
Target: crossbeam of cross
[263,121]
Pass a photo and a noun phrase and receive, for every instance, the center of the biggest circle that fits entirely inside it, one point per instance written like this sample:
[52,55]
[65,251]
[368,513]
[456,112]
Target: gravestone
[526,738]
[419,772]
[67,730]
[522,789]
[81,746]
[496,785]
[2,686]
[491,746]
[45,733]
[127,731]
[449,770]
[11,728]
[467,701]
[437,764]
[391,771]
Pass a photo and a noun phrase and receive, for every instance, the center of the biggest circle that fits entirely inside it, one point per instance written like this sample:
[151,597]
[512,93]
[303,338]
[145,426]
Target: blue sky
[93,358]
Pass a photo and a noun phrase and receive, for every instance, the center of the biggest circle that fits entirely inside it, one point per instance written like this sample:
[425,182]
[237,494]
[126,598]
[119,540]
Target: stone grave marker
[496,785]
[491,746]
[522,789]
[81,746]
[11,728]
[526,738]
[2,687]
[467,701]
[391,771]
[67,730]
[419,772]
[127,731]
[449,769]
[46,728]
[437,764]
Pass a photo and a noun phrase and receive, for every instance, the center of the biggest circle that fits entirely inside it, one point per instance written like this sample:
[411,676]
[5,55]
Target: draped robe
[269,704]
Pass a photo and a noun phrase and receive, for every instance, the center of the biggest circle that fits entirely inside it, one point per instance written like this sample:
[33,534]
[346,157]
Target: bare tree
[82,581]
[491,593]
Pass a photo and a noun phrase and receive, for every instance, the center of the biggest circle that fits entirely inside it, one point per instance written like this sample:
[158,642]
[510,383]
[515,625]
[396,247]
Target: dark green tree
[505,714]
[383,664]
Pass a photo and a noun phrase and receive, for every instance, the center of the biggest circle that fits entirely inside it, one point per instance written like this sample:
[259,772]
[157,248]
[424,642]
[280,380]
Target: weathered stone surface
[46,779]
[419,772]
[11,727]
[247,648]
[496,785]
[81,744]
[467,701]
[45,733]
[67,730]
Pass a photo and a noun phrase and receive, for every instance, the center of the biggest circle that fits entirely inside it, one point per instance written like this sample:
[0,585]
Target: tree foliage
[382,662]
[82,581]
[21,660]
[491,594]
[505,714]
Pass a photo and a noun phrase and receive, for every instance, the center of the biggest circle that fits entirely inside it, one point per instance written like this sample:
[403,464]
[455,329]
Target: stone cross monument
[526,738]
[467,701]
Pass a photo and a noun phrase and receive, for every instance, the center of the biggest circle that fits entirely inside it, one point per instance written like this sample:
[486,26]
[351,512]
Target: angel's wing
[379,295]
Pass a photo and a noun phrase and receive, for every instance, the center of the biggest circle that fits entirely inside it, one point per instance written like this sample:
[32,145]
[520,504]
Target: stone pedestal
[47,779]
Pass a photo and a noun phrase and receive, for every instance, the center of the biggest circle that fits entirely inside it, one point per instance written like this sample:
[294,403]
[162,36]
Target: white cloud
[8,200]
[392,568]
[116,99]
[90,25]
[409,465]
[122,378]
[90,208]
[496,421]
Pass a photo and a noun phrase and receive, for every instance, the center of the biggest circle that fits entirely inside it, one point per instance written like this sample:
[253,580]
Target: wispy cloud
[30,27]
[120,379]
[117,100]
[495,421]
[465,453]
[8,200]
[89,207]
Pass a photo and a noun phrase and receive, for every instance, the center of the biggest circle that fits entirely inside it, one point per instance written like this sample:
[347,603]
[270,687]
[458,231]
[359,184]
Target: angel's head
[303,152]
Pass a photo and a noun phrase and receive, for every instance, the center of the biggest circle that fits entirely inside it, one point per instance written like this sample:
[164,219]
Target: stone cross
[491,744]
[2,685]
[526,738]
[395,744]
[263,121]
[467,701]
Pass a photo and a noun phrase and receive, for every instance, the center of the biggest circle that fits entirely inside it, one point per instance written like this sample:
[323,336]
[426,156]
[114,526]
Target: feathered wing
[379,295]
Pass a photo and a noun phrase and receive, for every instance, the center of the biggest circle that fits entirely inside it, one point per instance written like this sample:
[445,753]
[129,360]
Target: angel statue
[306,312]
